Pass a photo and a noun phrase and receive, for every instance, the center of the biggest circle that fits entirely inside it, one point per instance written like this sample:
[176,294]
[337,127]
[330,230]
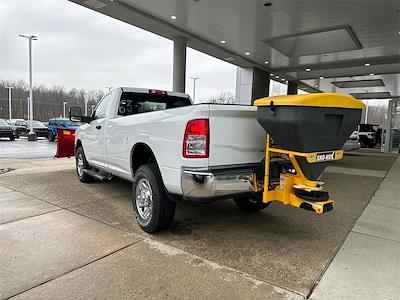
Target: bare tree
[47,102]
[222,98]
[376,111]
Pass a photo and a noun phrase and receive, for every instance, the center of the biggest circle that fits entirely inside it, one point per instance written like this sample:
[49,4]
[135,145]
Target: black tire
[251,203]
[12,137]
[51,136]
[82,176]
[162,209]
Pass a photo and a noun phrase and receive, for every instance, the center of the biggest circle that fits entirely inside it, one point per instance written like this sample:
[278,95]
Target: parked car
[55,123]
[171,150]
[367,135]
[6,130]
[21,126]
[38,127]
[14,128]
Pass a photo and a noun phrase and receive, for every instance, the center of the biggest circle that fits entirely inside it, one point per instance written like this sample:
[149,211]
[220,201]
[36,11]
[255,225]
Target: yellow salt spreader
[304,133]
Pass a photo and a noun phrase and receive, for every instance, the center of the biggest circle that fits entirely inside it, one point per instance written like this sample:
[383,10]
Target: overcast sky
[80,48]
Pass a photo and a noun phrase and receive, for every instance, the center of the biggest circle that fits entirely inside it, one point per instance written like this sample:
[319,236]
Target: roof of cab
[147,91]
[315,99]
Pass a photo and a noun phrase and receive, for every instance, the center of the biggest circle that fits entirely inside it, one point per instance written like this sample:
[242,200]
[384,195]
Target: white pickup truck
[171,150]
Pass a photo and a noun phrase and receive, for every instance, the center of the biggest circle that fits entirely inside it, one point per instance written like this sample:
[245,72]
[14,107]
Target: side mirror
[75,115]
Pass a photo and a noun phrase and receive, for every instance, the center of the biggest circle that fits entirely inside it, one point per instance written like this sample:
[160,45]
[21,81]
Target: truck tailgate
[236,138]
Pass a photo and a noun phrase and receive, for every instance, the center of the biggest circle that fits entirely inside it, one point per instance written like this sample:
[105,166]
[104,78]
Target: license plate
[325,156]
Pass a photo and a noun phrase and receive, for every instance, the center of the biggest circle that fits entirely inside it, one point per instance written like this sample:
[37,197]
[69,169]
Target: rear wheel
[12,137]
[251,203]
[81,164]
[153,209]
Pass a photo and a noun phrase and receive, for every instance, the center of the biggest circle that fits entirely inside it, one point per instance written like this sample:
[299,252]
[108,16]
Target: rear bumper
[206,184]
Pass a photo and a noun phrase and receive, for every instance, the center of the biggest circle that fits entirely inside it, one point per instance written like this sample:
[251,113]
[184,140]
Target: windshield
[3,122]
[367,127]
[37,124]
[72,123]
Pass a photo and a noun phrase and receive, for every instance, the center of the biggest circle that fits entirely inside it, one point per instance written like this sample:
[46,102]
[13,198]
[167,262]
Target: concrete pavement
[53,253]
[211,251]
[368,264]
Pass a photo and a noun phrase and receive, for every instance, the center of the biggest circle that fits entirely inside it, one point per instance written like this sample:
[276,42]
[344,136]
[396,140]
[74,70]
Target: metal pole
[366,113]
[9,101]
[29,109]
[86,103]
[31,135]
[194,87]
[30,88]
[194,90]
[64,103]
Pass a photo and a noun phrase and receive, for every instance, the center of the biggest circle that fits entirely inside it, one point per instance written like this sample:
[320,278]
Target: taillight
[158,92]
[196,140]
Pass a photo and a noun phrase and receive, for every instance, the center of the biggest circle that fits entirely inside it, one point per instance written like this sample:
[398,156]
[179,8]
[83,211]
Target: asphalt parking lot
[59,234]
[21,148]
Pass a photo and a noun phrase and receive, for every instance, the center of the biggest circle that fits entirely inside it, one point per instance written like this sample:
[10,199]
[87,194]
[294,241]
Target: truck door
[93,138]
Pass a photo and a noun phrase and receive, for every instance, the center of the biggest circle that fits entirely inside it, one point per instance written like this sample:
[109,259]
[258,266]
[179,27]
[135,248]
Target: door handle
[98,127]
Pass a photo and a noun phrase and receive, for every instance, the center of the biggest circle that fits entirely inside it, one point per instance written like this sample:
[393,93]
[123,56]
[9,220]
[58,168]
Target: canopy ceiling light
[372,95]
[316,42]
[358,83]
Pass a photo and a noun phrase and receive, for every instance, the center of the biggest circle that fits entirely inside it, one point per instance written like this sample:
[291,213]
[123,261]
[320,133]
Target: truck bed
[236,138]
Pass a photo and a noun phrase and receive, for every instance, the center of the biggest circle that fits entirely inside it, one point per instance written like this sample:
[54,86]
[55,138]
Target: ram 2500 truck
[171,150]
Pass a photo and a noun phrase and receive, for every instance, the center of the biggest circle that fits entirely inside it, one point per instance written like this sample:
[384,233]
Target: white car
[170,150]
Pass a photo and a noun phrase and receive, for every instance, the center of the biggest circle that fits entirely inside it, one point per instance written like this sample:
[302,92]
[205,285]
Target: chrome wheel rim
[144,198]
[79,164]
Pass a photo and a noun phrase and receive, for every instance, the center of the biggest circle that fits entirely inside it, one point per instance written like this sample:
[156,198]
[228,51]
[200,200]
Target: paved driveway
[76,240]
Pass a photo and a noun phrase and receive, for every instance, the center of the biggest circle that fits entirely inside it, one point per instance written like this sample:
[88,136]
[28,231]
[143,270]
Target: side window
[101,109]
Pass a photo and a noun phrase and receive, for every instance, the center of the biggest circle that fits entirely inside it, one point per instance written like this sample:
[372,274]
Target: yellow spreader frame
[286,194]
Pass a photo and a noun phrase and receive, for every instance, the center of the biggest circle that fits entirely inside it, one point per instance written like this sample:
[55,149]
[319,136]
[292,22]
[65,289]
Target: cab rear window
[137,103]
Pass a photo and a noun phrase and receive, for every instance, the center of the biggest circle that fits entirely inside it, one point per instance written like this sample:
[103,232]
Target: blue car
[55,123]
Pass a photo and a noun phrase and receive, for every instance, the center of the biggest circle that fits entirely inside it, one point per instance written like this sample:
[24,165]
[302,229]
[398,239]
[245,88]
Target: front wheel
[81,164]
[51,136]
[153,209]
[251,203]
[12,137]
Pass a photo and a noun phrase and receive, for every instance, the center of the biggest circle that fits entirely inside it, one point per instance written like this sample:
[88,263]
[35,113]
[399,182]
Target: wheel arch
[141,154]
[78,144]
